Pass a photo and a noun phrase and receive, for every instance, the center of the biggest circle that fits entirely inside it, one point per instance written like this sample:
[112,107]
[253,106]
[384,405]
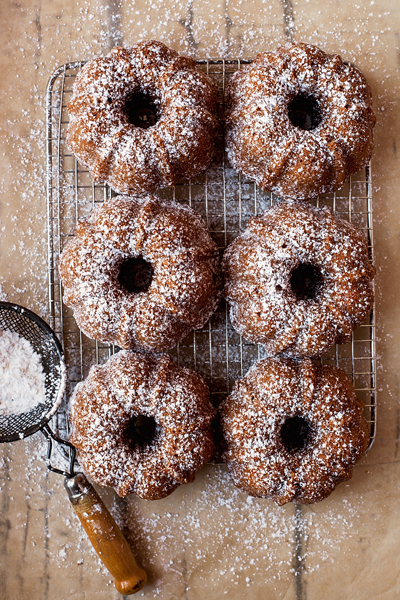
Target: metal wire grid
[226,201]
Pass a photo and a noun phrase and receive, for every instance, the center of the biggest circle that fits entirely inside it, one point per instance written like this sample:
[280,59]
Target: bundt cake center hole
[135,275]
[140,431]
[304,112]
[295,434]
[141,111]
[306,281]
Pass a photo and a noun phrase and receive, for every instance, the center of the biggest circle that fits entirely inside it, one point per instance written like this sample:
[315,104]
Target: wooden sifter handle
[105,535]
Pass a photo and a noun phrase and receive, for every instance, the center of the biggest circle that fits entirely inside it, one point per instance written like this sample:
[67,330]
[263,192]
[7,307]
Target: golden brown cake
[141,424]
[298,121]
[298,280]
[141,273]
[142,118]
[292,430]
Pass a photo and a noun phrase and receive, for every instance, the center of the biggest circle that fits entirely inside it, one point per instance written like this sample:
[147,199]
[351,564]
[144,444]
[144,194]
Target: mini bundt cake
[141,273]
[292,430]
[298,121]
[142,118]
[141,424]
[298,280]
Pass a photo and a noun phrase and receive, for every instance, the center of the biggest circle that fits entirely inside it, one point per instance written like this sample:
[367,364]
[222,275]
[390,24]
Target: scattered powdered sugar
[22,381]
[216,538]
[363,39]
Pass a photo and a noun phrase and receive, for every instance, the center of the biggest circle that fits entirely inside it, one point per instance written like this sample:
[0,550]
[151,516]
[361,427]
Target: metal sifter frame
[226,201]
[44,342]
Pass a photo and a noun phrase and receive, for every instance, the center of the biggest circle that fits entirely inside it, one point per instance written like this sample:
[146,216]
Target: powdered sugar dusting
[185,287]
[258,267]
[128,386]
[22,380]
[261,461]
[132,159]
[264,144]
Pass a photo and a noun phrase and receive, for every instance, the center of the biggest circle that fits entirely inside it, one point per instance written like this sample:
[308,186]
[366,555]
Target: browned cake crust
[292,430]
[141,273]
[298,280]
[142,424]
[298,121]
[173,140]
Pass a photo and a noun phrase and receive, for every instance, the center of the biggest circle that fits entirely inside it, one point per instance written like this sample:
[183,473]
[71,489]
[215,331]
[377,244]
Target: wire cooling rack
[226,201]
